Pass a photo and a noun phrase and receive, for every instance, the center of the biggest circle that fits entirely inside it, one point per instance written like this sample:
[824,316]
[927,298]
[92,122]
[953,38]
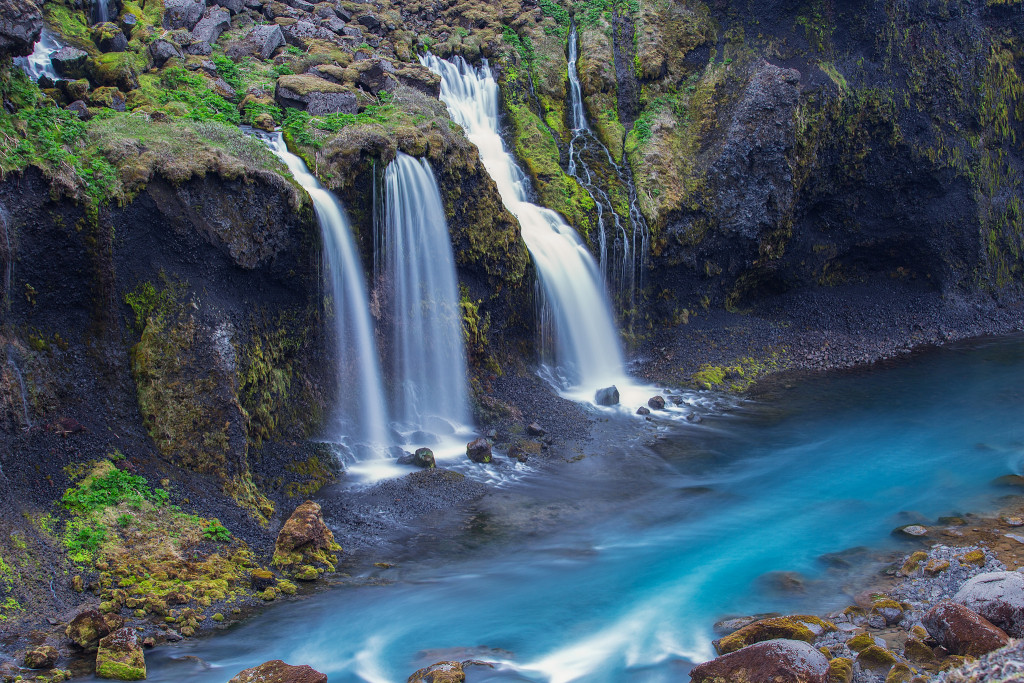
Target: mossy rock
[875,657]
[974,557]
[840,670]
[120,657]
[307,573]
[913,563]
[860,642]
[799,627]
[116,69]
[899,673]
[916,651]
[286,587]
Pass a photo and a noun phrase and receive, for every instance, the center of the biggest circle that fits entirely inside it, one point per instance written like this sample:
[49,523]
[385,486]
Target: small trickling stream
[614,568]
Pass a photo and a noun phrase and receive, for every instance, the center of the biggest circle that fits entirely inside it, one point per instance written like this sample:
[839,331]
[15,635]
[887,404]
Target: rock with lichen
[120,656]
[305,539]
[277,671]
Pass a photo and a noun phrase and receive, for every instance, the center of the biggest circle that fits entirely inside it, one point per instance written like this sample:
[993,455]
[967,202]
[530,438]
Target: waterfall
[427,347]
[360,389]
[587,342]
[38,63]
[21,383]
[100,11]
[630,242]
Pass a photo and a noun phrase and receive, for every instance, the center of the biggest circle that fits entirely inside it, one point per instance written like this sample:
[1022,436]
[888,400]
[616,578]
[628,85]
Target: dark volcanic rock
[315,95]
[69,62]
[109,37]
[772,661]
[214,22]
[656,403]
[161,50]
[261,41]
[421,78]
[998,597]
[609,396]
[479,450]
[277,671]
[963,631]
[233,6]
[21,23]
[182,13]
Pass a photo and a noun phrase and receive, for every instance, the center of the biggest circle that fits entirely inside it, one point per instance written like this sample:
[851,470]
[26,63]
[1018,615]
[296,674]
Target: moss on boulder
[305,540]
[120,657]
[799,627]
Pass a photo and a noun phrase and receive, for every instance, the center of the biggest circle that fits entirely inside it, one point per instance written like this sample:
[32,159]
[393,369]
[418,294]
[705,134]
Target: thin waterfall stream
[426,325]
[631,239]
[360,393]
[588,352]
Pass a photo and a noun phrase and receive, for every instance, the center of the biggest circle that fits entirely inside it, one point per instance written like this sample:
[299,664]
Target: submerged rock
[276,671]
[609,396]
[479,450]
[305,539]
[997,596]
[963,631]
[775,661]
[442,672]
[120,656]
[423,457]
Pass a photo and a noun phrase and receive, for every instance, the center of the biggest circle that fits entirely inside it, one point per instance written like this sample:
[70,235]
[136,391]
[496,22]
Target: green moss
[791,628]
[72,25]
[118,671]
[840,670]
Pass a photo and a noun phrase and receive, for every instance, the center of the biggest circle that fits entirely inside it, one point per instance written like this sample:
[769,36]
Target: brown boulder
[305,539]
[771,661]
[88,626]
[42,657]
[963,631]
[442,672]
[277,671]
[479,450]
[997,596]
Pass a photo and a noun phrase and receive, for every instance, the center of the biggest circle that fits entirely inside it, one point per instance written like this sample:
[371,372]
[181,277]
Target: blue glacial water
[615,567]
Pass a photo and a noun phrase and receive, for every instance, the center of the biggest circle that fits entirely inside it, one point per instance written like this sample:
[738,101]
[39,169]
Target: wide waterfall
[587,342]
[623,270]
[38,63]
[426,325]
[362,410]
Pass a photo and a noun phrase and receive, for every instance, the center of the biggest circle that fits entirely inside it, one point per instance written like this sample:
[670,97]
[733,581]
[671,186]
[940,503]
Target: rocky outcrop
[21,22]
[804,628]
[315,95]
[260,41]
[182,13]
[305,540]
[998,597]
[277,671]
[120,656]
[772,661]
[963,631]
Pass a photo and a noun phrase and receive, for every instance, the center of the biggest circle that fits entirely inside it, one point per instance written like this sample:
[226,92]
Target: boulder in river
[120,656]
[423,457]
[643,410]
[479,450]
[609,396]
[962,631]
[656,402]
[775,661]
[277,671]
[797,627]
[442,672]
[997,596]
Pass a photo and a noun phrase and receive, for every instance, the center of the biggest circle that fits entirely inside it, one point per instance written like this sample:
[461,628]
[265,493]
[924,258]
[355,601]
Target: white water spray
[360,389]
[429,361]
[38,64]
[587,343]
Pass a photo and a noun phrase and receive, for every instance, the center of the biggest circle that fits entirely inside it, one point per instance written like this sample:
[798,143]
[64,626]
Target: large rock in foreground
[21,22]
[442,672]
[277,671]
[306,540]
[997,596]
[963,631]
[120,657]
[89,626]
[315,95]
[773,661]
[805,628]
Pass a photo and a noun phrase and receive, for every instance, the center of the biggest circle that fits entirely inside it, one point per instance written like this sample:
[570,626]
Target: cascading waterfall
[587,341]
[38,64]
[360,389]
[429,361]
[100,11]
[21,384]
[624,274]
